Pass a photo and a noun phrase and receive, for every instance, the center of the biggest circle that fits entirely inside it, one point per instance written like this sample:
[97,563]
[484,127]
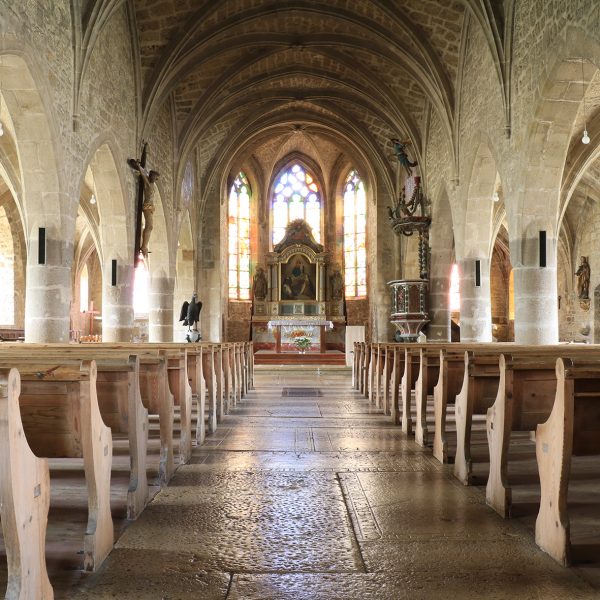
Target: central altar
[290,332]
[302,296]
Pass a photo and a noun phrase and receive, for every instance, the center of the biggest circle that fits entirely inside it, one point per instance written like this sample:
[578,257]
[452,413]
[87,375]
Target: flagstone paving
[317,495]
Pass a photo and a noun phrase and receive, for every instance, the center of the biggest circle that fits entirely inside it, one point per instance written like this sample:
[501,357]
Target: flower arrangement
[302,343]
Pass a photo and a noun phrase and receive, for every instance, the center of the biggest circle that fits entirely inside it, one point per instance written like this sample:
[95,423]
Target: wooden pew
[121,407]
[198,386]
[355,362]
[249,366]
[24,499]
[364,390]
[153,384]
[208,368]
[407,384]
[61,419]
[478,392]
[429,368]
[526,393]
[386,385]
[572,429]
[397,358]
[450,379]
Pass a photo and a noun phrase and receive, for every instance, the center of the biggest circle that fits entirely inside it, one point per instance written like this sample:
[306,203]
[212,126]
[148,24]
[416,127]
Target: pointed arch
[184,275]
[296,193]
[238,235]
[355,236]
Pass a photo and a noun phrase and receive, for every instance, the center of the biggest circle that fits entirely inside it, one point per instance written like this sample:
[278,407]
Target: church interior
[300,299]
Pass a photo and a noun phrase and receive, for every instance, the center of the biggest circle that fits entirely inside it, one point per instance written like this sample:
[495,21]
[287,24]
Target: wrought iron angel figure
[400,152]
[190,315]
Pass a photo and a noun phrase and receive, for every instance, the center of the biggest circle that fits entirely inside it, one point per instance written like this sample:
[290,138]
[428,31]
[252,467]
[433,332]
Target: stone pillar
[47,301]
[48,290]
[160,318]
[536,305]
[117,302]
[475,301]
[535,287]
[382,307]
[438,329]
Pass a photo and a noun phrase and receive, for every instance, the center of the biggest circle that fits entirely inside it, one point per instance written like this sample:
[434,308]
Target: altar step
[263,357]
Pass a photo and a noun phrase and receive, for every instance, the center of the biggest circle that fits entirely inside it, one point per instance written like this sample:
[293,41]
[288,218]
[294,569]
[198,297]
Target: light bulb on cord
[1,129]
[93,199]
[586,138]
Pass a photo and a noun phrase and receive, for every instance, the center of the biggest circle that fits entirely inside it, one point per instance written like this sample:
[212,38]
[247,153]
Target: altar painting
[298,279]
[293,338]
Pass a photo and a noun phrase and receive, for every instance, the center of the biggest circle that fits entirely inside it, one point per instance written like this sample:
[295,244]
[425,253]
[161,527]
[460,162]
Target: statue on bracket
[259,285]
[337,284]
[583,279]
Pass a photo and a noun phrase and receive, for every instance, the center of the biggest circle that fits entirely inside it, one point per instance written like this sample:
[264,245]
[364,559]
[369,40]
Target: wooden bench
[451,371]
[61,419]
[526,393]
[478,393]
[153,384]
[24,499]
[572,429]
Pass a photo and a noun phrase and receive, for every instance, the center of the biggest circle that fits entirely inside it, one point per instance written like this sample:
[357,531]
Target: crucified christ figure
[149,179]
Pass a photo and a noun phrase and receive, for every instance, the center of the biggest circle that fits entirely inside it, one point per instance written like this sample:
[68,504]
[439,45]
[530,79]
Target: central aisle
[305,492]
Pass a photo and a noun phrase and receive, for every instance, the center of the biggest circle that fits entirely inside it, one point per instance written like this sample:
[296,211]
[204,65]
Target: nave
[306,491]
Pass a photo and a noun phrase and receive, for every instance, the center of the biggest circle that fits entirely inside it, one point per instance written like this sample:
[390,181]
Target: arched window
[84,289]
[296,196]
[355,236]
[141,290]
[454,289]
[511,295]
[239,239]
[7,271]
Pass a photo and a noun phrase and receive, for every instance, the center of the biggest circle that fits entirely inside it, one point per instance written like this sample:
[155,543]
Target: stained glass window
[7,272]
[355,236]
[239,239]
[296,196]
[84,289]
[454,289]
[511,296]
[141,290]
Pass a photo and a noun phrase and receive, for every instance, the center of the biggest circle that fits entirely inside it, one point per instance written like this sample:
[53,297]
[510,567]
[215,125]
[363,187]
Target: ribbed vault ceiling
[367,70]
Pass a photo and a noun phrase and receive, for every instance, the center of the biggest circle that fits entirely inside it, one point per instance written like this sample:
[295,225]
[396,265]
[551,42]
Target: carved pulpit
[410,296]
[299,301]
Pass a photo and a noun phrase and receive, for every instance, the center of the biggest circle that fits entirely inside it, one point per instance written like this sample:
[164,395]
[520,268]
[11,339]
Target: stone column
[48,290]
[475,301]
[160,318]
[382,303]
[535,287]
[117,302]
[438,329]
[536,305]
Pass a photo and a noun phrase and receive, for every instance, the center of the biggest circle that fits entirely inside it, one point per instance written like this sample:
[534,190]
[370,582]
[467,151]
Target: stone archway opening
[104,240]
[184,279]
[473,250]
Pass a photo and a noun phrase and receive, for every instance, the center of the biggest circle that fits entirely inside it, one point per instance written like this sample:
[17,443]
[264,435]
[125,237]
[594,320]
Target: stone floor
[307,492]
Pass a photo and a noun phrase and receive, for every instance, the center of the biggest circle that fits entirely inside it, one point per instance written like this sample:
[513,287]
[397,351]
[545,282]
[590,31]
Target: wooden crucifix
[145,204]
